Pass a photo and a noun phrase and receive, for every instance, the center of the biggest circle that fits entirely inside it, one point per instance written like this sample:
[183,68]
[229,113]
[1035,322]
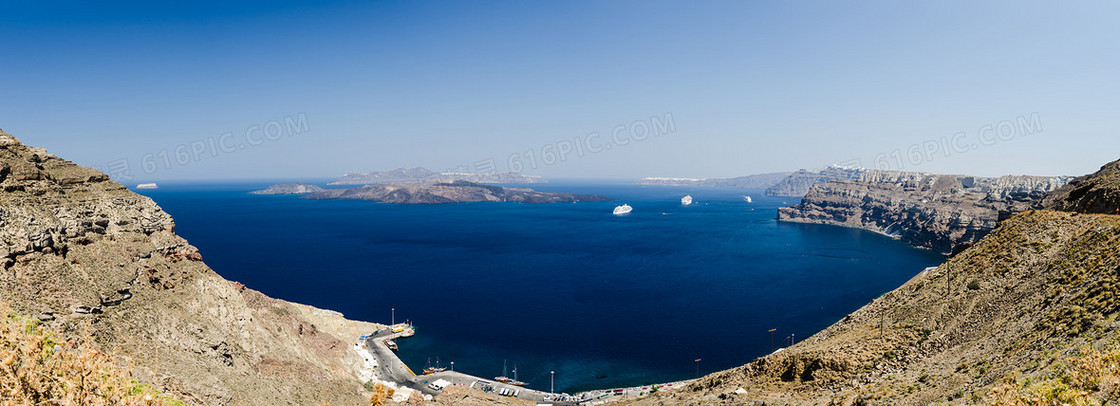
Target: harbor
[383,366]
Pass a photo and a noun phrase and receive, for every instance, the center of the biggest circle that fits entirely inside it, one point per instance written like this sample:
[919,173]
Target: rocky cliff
[798,183]
[1026,316]
[1095,193]
[940,212]
[760,181]
[461,191]
[91,259]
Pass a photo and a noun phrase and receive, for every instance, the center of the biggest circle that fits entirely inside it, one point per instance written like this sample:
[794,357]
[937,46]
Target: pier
[385,367]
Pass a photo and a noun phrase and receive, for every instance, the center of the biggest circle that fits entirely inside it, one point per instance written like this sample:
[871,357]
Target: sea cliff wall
[939,212]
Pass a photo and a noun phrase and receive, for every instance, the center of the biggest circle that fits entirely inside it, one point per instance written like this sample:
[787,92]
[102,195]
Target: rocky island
[760,181]
[289,189]
[412,175]
[939,212]
[458,191]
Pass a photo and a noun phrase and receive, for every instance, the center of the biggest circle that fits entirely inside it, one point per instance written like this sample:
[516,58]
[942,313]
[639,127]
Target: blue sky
[736,87]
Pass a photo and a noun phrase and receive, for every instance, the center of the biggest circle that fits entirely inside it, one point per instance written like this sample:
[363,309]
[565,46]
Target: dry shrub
[1091,378]
[36,368]
[381,395]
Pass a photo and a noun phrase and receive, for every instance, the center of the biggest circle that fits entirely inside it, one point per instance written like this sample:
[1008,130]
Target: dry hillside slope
[86,256]
[1016,307]
[1095,193]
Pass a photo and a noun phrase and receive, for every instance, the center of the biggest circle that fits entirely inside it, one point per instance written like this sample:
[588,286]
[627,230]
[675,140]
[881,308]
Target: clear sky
[318,89]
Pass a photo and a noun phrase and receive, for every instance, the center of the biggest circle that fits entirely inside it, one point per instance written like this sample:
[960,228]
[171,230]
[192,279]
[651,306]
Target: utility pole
[772,339]
[948,279]
[698,368]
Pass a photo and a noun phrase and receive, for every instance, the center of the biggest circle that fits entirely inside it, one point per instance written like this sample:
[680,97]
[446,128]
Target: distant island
[761,181]
[459,191]
[413,175]
[289,189]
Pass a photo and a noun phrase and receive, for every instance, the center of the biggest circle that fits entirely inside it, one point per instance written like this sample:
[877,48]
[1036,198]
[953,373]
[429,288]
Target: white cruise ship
[686,200]
[623,209]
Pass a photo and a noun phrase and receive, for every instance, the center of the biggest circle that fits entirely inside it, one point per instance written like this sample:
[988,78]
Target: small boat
[686,200]
[514,381]
[432,370]
[392,345]
[503,378]
[748,199]
[622,210]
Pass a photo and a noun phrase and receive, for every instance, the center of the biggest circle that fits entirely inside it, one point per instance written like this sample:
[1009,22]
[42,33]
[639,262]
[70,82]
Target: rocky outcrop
[798,183]
[1027,315]
[940,212]
[91,259]
[413,175]
[450,192]
[761,181]
[1094,193]
[289,189]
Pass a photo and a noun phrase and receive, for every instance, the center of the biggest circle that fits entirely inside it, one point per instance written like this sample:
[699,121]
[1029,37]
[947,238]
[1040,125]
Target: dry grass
[38,368]
[1091,378]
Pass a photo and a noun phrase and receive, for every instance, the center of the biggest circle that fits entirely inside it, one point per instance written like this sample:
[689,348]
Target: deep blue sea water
[604,301]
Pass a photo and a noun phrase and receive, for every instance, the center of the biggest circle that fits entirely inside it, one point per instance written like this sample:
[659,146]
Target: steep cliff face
[798,183]
[940,212]
[87,256]
[1094,193]
[1027,315]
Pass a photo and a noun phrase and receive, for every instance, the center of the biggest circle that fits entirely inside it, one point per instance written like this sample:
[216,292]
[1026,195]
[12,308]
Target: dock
[385,367]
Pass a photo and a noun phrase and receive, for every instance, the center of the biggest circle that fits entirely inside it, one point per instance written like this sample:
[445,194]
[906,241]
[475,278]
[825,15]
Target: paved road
[391,368]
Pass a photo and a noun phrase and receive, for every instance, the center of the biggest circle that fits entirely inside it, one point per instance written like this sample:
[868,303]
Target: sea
[568,294]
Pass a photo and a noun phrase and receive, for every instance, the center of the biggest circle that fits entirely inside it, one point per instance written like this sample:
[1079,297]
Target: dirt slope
[87,256]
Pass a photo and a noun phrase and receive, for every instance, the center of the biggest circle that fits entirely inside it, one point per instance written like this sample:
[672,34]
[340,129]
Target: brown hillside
[81,252]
